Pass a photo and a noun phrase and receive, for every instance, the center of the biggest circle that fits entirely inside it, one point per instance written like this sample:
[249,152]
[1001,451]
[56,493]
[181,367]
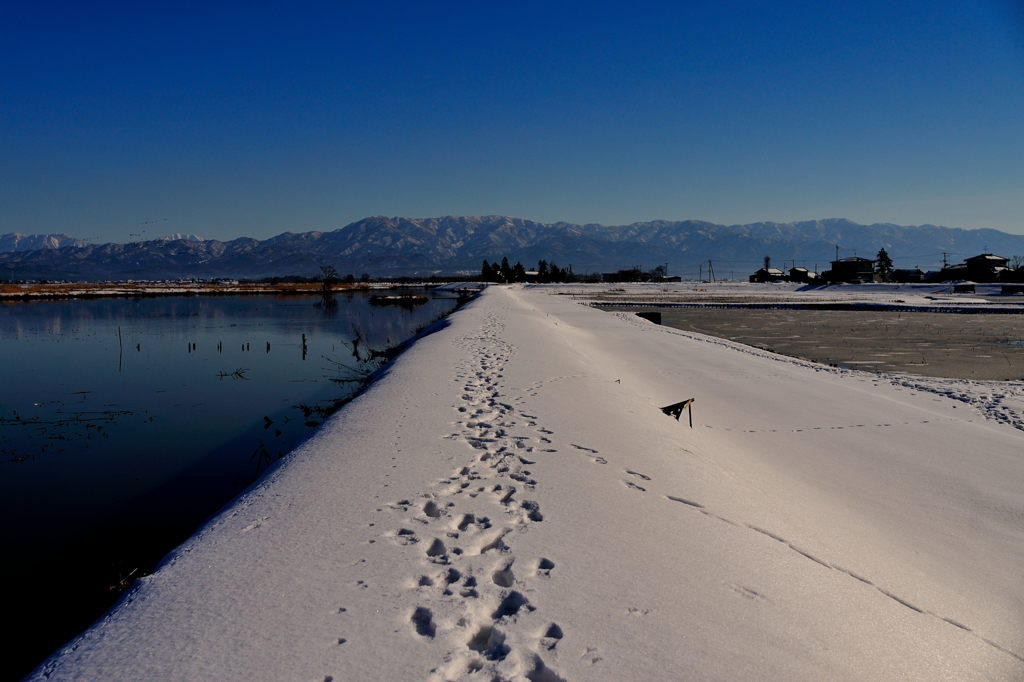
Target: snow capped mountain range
[396,246]
[13,241]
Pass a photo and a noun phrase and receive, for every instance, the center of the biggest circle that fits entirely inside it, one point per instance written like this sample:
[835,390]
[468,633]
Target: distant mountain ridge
[12,241]
[398,246]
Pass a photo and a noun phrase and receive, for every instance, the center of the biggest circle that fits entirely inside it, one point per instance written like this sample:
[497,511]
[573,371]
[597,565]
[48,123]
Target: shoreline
[62,291]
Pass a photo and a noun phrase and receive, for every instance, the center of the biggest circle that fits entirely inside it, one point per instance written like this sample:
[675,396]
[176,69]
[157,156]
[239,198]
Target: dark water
[113,451]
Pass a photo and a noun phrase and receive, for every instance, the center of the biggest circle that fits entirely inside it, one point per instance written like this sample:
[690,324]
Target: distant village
[985,268]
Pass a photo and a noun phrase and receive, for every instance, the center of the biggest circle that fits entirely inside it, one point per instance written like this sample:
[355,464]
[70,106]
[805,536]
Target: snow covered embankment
[1001,401]
[508,503]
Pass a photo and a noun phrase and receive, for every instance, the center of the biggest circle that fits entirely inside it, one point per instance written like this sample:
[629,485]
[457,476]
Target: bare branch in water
[369,359]
[261,455]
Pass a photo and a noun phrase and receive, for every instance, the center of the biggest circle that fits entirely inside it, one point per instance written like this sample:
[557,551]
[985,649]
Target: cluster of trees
[329,276]
[545,272]
[636,274]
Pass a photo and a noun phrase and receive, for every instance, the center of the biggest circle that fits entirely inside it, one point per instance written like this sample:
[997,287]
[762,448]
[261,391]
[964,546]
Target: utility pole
[711,271]
[943,260]
[700,276]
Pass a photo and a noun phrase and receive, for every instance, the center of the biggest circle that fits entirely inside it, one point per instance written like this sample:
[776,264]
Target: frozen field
[508,502]
[894,296]
[946,345]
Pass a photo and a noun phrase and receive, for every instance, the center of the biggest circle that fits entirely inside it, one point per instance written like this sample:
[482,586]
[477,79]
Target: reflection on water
[124,423]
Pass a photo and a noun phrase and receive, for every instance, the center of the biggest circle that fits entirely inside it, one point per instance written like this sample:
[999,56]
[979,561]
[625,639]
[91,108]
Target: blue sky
[227,120]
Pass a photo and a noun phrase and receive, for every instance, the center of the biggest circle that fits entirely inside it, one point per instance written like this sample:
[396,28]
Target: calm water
[113,450]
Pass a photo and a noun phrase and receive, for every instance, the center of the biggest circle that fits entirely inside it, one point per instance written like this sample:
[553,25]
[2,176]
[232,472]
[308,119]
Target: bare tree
[328,276]
[1016,262]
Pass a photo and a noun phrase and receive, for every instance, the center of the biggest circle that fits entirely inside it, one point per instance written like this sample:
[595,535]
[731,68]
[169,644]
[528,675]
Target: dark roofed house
[987,260]
[768,275]
[852,268]
[802,275]
[983,268]
[953,273]
[986,268]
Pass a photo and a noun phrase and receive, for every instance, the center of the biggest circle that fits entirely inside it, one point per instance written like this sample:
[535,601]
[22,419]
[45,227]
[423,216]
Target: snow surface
[917,297]
[508,502]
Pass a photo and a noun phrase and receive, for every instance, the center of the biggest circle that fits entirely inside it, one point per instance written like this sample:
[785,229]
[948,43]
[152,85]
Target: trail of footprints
[471,595]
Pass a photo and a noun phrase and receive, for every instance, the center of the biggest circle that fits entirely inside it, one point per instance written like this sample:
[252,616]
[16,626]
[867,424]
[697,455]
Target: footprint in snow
[468,591]
[405,536]
[503,576]
[591,655]
[423,620]
[511,605]
[533,511]
[549,640]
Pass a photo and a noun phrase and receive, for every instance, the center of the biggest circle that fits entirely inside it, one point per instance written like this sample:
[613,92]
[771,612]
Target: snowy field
[920,297]
[508,502]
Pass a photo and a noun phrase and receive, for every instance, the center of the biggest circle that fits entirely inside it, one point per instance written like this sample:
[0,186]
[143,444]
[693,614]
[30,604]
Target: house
[803,275]
[986,267]
[953,273]
[915,275]
[852,268]
[768,275]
